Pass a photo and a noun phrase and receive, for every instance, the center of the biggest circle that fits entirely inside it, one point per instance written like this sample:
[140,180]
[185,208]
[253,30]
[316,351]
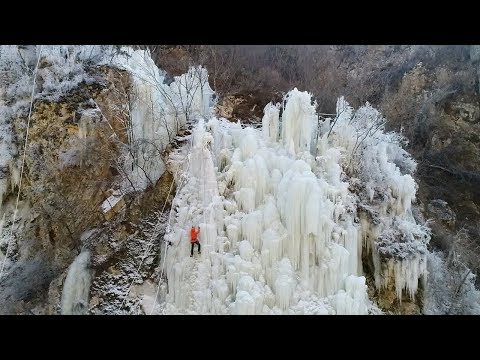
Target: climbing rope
[204,181]
[23,162]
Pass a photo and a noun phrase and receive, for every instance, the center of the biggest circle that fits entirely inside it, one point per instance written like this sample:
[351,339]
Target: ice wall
[282,230]
[278,238]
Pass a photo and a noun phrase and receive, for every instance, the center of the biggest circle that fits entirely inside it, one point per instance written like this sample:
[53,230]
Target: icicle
[270,122]
[76,287]
[3,189]
[14,177]
[246,199]
[299,122]
[246,250]
[252,225]
[285,284]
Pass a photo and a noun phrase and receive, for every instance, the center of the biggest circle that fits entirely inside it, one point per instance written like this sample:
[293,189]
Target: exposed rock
[439,142]
[55,294]
[440,210]
[467,111]
[120,262]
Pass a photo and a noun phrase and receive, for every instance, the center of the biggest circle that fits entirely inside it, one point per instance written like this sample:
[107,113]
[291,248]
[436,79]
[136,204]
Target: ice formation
[280,230]
[388,230]
[299,122]
[158,112]
[77,286]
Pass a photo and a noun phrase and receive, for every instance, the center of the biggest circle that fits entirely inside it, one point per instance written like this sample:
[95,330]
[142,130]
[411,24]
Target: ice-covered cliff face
[282,227]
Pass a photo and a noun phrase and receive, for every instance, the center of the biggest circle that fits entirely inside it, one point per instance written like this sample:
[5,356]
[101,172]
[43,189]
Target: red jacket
[193,234]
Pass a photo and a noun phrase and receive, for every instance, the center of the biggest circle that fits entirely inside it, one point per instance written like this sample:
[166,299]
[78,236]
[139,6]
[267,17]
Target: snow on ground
[110,202]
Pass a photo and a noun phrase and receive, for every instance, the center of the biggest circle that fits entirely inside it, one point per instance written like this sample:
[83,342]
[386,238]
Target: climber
[193,236]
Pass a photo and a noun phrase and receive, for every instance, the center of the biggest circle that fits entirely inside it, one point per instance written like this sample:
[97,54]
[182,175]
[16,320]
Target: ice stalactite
[3,188]
[299,122]
[401,262]
[14,175]
[285,284]
[76,287]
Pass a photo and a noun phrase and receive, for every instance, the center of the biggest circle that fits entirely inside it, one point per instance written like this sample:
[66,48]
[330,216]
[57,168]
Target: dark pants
[193,244]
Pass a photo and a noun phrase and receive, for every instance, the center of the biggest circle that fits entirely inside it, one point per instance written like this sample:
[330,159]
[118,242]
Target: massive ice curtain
[282,231]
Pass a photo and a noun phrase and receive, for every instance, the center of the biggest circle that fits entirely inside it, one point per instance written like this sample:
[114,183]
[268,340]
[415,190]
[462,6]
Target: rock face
[68,172]
[440,210]
[246,107]
[70,165]
[72,162]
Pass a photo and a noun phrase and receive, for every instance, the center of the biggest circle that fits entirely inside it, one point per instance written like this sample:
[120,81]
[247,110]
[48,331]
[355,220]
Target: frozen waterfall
[281,232]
